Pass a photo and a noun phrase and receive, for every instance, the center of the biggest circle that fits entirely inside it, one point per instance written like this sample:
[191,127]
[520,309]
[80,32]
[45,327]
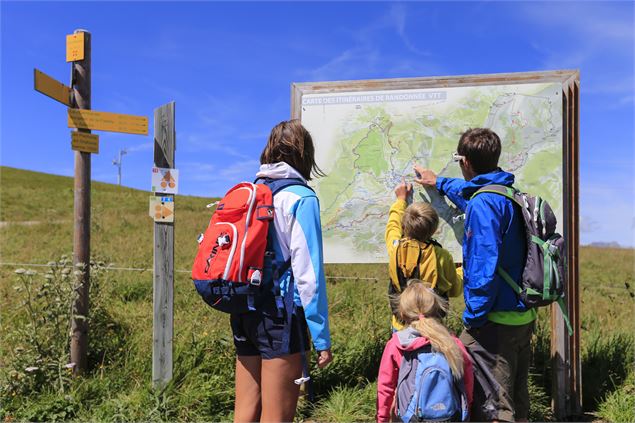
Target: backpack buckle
[254,276]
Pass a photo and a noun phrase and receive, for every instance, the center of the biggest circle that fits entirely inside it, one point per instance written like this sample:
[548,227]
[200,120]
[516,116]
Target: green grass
[118,386]
[619,406]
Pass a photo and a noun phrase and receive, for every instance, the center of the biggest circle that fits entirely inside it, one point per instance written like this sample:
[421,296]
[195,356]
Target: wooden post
[565,349]
[80,84]
[163,285]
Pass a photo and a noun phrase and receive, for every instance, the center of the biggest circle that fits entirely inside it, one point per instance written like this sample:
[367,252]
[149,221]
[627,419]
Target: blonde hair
[422,308]
[420,221]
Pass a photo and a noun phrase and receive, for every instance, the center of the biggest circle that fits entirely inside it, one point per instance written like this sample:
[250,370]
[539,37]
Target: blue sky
[229,67]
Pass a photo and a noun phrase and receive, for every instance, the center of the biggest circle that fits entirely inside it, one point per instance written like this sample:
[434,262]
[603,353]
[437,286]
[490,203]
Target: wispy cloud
[202,142]
[146,146]
[365,57]
[214,179]
[588,224]
[595,21]
[346,64]
[596,33]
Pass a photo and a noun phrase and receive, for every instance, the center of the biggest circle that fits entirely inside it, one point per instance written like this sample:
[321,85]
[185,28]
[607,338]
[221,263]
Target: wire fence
[142,269]
[335,278]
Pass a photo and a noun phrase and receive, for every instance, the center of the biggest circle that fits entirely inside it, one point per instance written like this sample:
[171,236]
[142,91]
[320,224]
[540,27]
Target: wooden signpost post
[163,285]
[81,90]
[78,98]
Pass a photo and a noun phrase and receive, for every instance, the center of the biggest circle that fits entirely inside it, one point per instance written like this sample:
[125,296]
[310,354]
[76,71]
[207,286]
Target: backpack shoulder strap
[277,185]
[435,243]
[503,190]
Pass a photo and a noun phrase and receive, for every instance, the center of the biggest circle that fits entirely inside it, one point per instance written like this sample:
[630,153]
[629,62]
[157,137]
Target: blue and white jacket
[299,237]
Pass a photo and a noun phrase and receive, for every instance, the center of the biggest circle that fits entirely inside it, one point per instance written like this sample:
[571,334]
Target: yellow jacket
[436,265]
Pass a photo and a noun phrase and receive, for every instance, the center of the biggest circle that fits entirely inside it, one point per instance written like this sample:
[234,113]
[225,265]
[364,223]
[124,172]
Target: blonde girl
[420,310]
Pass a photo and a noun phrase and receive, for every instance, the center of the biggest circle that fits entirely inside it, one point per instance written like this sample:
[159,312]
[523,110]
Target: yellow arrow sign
[105,121]
[51,87]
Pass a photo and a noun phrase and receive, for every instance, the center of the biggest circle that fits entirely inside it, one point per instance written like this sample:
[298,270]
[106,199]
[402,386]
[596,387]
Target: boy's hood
[498,177]
[280,170]
[409,339]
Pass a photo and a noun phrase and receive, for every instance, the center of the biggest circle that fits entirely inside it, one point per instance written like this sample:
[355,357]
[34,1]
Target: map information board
[366,141]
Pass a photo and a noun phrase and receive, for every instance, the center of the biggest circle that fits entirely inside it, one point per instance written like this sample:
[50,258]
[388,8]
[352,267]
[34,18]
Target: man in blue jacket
[498,325]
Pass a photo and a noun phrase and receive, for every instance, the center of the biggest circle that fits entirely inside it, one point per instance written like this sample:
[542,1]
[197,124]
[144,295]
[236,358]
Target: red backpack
[234,265]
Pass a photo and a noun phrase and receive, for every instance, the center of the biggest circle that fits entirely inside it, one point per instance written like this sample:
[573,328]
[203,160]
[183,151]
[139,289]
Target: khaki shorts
[501,355]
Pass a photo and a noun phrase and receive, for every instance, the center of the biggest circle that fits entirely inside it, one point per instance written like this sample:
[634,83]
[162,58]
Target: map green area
[366,142]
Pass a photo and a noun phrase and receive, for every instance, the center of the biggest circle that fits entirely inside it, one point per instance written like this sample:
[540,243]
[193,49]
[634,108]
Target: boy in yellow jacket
[413,253]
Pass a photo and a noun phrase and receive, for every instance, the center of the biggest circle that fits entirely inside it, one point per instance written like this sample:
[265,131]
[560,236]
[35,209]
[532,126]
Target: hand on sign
[324,358]
[425,177]
[403,191]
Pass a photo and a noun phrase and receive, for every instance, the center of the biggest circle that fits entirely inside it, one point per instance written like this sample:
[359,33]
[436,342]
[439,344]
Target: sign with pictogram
[165,181]
[82,141]
[162,209]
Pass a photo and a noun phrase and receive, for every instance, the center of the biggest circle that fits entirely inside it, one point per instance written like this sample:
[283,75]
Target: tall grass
[619,406]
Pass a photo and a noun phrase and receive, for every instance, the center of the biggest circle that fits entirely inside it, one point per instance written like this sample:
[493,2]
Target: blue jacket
[494,235]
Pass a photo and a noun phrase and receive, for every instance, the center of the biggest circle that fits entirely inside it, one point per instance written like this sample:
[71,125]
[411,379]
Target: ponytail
[422,308]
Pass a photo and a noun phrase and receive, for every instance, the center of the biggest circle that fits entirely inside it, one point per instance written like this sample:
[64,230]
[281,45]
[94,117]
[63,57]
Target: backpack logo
[427,390]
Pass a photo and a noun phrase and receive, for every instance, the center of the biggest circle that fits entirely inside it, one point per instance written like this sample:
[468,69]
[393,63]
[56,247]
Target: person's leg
[279,391]
[247,406]
[492,397]
[521,390]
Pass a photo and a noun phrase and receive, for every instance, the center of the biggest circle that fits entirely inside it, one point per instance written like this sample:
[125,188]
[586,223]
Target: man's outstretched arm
[451,187]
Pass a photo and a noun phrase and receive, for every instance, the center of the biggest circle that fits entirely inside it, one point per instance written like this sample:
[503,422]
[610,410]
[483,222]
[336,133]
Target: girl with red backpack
[270,347]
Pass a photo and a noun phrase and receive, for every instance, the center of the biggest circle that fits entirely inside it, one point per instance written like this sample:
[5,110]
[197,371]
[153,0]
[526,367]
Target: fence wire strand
[141,269]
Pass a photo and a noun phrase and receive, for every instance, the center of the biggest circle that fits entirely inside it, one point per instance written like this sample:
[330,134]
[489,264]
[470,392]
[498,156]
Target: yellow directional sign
[81,141]
[51,87]
[75,47]
[105,121]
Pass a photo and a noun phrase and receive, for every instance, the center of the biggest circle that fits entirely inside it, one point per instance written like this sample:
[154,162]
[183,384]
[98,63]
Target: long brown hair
[422,308]
[291,143]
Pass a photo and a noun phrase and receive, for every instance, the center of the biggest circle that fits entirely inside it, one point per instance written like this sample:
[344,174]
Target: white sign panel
[165,181]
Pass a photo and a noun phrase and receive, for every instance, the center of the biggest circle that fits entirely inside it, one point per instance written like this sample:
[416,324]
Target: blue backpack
[426,389]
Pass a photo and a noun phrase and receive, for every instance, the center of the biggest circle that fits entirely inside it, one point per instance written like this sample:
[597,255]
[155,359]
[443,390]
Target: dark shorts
[501,355]
[261,333]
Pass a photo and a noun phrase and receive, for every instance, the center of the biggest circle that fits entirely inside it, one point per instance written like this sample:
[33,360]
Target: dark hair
[481,147]
[291,143]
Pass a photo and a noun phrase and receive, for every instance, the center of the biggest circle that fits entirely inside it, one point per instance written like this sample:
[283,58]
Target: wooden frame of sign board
[565,351]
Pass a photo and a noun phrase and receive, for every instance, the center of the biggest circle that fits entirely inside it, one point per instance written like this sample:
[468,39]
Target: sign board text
[87,143]
[105,121]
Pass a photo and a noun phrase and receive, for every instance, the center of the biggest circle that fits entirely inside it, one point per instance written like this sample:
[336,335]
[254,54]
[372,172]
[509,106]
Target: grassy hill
[36,227]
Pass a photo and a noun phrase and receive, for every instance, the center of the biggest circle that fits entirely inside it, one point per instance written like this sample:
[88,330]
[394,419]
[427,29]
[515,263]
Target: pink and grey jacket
[391,361]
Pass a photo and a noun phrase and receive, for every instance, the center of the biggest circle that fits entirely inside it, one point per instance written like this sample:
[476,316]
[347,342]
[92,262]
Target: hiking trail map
[366,141]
